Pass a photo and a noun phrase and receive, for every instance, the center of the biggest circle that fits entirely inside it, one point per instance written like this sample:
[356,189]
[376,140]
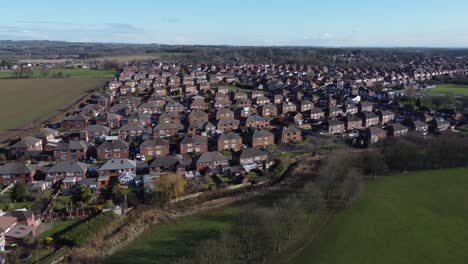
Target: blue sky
[377,23]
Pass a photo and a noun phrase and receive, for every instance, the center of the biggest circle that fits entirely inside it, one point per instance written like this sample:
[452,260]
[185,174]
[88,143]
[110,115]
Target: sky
[334,23]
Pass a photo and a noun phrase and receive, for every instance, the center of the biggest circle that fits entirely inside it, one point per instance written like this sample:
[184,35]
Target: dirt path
[316,234]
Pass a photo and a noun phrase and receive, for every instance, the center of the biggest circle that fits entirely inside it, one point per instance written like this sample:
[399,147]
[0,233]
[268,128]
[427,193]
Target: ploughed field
[418,217]
[25,102]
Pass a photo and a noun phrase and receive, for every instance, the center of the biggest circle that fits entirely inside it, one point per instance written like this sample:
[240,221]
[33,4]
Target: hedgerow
[81,233]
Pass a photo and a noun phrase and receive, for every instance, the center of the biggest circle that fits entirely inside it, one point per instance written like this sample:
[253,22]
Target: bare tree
[312,200]
[251,235]
[221,251]
[288,211]
[352,186]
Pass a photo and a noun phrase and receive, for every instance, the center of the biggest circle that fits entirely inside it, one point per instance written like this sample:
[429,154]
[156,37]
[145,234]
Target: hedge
[82,232]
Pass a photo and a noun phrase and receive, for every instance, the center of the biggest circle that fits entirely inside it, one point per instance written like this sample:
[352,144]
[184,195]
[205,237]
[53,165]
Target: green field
[24,100]
[67,72]
[167,242]
[449,89]
[419,217]
[56,227]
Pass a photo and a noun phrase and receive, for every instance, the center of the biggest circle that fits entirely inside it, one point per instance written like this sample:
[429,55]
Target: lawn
[14,206]
[57,227]
[449,89]
[31,99]
[67,72]
[418,217]
[167,242]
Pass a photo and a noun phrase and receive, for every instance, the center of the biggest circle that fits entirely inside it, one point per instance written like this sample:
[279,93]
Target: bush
[81,233]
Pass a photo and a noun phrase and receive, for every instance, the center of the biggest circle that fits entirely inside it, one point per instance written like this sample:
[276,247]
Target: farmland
[416,217]
[66,73]
[24,102]
[449,89]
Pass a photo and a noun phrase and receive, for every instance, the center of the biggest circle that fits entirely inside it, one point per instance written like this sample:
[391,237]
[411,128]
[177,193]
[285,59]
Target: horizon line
[242,46]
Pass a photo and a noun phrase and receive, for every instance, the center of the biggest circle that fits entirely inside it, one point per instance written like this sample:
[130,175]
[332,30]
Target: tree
[123,196]
[251,236]
[352,186]
[19,192]
[221,251]
[332,173]
[288,211]
[82,196]
[171,186]
[312,200]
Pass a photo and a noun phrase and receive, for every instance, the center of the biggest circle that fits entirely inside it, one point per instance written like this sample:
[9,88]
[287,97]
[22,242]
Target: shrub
[81,233]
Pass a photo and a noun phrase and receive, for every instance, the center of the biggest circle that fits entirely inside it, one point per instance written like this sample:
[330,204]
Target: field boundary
[7,136]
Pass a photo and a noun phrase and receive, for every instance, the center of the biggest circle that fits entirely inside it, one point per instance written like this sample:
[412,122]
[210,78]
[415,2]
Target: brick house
[369,119]
[375,134]
[72,151]
[418,126]
[385,117]
[224,114]
[305,105]
[13,172]
[156,147]
[316,114]
[335,126]
[257,121]
[290,134]
[350,109]
[365,107]
[268,110]
[198,115]
[109,119]
[140,119]
[226,125]
[211,160]
[75,122]
[93,132]
[166,129]
[229,141]
[253,155]
[116,149]
[262,138]
[352,123]
[64,169]
[397,130]
[287,107]
[115,167]
[26,144]
[193,144]
[170,117]
[129,131]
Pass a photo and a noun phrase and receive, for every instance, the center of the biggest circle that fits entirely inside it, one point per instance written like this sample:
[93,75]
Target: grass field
[168,242]
[449,89]
[56,227]
[25,100]
[68,72]
[419,217]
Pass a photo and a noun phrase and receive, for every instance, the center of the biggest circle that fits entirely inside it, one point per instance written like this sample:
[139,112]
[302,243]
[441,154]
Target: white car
[248,166]
[142,158]
[137,156]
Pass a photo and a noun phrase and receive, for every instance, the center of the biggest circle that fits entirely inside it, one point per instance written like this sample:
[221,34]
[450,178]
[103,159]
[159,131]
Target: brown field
[25,103]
